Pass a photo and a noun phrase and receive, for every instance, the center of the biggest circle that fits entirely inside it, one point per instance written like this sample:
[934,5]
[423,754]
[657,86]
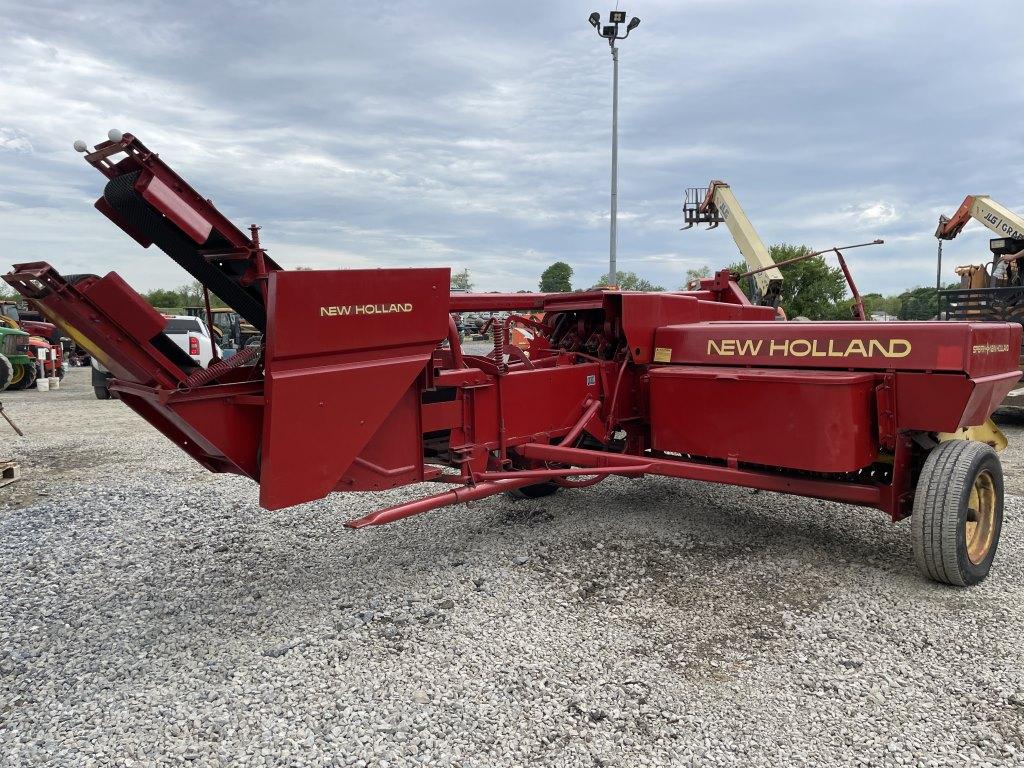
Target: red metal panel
[394,455]
[549,400]
[988,393]
[932,402]
[980,348]
[135,316]
[643,314]
[993,348]
[819,421]
[483,302]
[549,302]
[344,348]
[319,419]
[172,205]
[335,313]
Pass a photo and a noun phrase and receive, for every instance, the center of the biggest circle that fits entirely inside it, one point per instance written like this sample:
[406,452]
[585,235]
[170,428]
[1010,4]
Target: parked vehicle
[231,332]
[15,357]
[43,336]
[192,335]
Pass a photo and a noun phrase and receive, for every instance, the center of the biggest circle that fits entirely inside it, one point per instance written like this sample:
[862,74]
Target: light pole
[610,32]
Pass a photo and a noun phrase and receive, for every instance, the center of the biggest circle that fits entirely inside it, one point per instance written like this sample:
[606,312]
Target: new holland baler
[359,383]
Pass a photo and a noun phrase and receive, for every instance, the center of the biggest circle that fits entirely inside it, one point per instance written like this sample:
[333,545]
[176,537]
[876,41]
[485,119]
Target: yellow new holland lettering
[866,348]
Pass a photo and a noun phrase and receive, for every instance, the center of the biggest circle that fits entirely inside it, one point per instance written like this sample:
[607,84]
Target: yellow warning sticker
[663,354]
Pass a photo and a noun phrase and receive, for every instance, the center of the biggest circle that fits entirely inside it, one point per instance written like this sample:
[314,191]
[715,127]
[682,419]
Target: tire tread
[936,516]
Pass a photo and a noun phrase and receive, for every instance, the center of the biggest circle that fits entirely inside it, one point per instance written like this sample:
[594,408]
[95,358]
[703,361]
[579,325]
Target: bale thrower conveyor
[360,383]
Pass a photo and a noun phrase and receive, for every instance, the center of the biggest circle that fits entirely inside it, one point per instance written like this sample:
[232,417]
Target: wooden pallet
[9,472]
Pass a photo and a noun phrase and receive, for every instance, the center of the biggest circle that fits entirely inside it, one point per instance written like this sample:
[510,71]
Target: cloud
[461,134]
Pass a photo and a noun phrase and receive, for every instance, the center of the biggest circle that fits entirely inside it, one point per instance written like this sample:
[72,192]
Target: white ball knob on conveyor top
[114,135]
[81,146]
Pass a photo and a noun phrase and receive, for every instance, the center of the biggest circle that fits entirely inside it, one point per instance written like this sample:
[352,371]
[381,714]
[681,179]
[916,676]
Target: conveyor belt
[223,279]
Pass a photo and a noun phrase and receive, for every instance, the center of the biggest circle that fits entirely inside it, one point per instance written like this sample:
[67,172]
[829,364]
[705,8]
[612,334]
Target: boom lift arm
[997,217]
[718,203]
[1007,247]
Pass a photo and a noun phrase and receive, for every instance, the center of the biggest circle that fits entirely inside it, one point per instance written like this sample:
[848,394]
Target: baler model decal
[989,349]
[697,384]
[866,348]
[364,309]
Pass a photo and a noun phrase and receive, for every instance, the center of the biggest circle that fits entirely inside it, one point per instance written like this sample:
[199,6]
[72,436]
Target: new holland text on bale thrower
[352,387]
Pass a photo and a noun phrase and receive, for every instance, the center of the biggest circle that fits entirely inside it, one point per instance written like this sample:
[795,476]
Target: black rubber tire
[102,393]
[27,380]
[939,520]
[536,491]
[6,372]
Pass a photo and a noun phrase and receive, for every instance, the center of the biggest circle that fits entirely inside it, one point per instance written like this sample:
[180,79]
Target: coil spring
[497,333]
[218,369]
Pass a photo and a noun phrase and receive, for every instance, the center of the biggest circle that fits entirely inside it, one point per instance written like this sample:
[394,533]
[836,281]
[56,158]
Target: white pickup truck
[189,333]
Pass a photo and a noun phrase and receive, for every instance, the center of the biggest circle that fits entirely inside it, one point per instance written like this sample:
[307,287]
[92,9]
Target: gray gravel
[152,614]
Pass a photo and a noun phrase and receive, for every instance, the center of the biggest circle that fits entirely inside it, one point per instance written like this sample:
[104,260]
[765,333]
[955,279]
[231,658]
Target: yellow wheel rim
[981,517]
[18,374]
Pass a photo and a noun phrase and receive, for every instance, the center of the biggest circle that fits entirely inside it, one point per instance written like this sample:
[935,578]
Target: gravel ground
[152,614]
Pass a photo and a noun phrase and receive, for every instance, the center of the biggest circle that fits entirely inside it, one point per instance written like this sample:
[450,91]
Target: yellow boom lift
[716,203]
[1007,247]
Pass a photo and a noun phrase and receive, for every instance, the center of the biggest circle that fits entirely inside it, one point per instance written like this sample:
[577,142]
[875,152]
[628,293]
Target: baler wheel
[958,512]
[6,372]
[536,491]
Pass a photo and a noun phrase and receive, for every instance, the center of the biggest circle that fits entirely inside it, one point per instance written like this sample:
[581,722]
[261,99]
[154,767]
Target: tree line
[188,295]
[812,288]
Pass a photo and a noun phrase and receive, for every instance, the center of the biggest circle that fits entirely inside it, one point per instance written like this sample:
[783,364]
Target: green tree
[557,278]
[461,281]
[695,274]
[920,303]
[810,288]
[187,295]
[629,281]
[192,293]
[164,298]
[876,303]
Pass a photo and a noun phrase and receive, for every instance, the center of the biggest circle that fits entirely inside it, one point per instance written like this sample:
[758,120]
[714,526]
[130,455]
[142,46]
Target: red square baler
[359,382]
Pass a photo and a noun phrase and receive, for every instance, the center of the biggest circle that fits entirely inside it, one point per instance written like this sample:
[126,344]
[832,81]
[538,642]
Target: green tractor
[17,368]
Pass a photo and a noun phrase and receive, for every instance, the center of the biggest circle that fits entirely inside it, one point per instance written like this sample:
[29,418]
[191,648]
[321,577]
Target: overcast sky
[477,134]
